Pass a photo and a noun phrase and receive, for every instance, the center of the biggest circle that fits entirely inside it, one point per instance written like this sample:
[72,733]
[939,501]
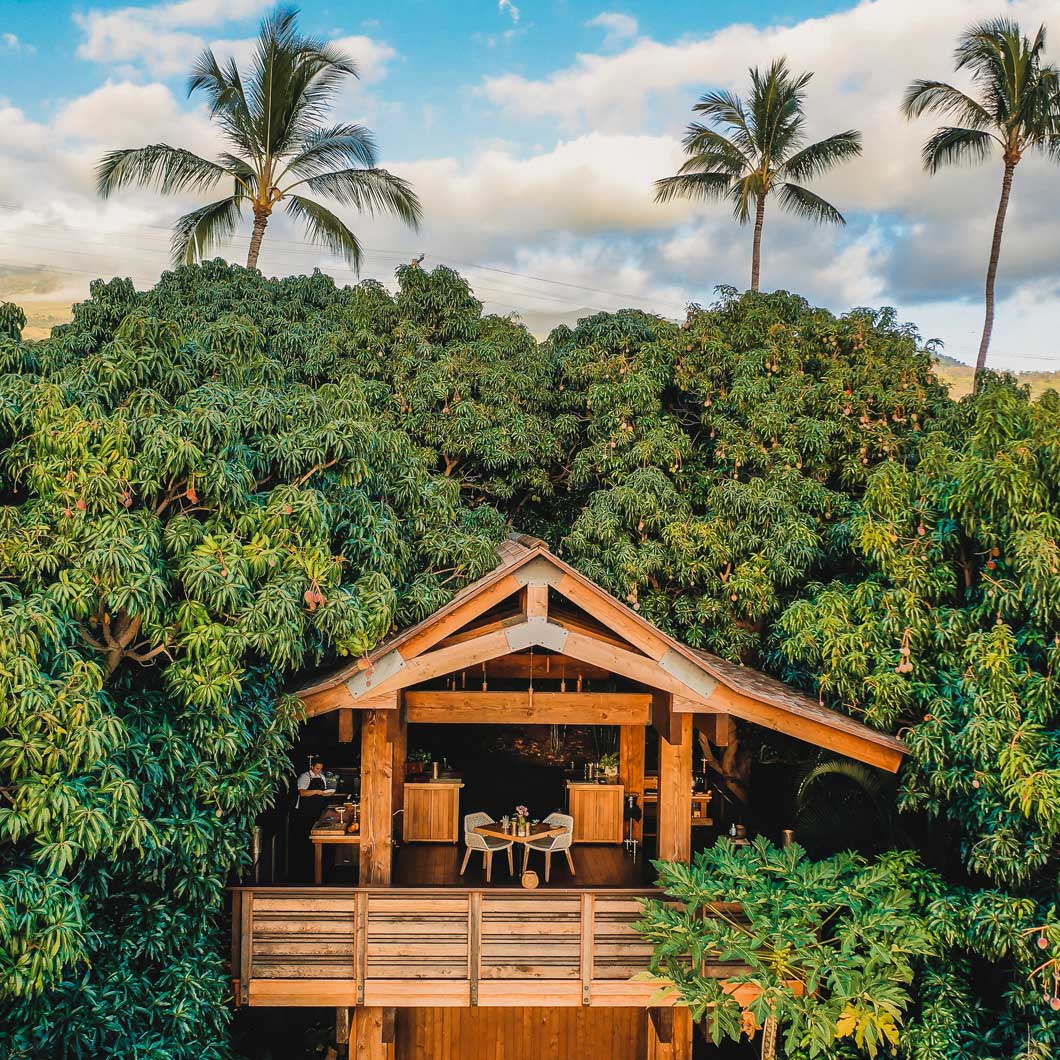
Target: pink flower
[521,811]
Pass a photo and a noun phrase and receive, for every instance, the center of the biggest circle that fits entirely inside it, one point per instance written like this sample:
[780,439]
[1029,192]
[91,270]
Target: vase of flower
[522,820]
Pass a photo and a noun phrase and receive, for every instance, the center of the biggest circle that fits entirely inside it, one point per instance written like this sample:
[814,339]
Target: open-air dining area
[485,796]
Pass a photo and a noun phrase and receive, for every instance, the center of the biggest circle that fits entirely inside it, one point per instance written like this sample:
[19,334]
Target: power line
[403,255]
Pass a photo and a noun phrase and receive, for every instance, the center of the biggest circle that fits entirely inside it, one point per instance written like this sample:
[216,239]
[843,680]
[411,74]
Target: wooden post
[719,729]
[377,793]
[675,791]
[368,1037]
[347,724]
[342,1032]
[631,770]
[670,1033]
[399,733]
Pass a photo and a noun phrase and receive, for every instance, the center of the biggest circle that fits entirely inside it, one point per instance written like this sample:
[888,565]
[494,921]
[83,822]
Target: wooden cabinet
[432,813]
[597,812]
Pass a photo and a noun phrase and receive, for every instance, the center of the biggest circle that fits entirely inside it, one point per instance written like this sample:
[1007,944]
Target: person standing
[312,788]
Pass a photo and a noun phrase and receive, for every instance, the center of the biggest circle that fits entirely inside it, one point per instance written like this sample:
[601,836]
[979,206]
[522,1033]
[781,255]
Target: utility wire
[401,255]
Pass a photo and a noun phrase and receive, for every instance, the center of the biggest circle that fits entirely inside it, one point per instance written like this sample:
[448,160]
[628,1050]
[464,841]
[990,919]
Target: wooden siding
[521,1034]
[458,947]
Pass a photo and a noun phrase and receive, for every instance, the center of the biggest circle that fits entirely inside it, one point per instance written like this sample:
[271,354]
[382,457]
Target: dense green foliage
[190,512]
[831,946]
[211,485]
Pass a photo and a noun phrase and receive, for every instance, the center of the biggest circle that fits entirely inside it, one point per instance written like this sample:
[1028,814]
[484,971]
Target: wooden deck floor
[438,865]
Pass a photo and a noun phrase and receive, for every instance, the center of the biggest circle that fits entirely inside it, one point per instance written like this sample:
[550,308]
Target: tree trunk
[261,219]
[756,251]
[991,269]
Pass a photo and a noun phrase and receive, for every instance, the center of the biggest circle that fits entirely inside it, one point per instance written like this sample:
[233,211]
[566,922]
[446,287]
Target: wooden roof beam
[861,747]
[524,708]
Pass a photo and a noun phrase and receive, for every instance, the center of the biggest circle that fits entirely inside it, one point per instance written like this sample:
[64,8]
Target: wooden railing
[398,947]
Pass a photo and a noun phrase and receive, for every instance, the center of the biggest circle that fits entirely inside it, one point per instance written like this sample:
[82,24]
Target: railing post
[588,940]
[474,943]
[246,945]
[360,944]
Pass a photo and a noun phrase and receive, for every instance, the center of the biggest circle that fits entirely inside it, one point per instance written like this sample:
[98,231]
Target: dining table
[535,831]
[332,829]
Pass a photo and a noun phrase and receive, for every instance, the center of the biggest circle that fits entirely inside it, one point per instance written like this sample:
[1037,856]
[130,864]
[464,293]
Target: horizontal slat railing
[398,946]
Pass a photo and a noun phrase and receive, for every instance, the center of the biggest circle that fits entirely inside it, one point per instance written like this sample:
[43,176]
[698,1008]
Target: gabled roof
[698,681]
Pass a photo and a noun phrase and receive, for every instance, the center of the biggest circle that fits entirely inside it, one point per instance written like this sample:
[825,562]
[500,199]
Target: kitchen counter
[432,810]
[597,810]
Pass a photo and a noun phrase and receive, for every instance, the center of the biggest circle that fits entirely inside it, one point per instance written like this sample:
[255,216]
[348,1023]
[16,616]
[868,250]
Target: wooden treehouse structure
[419,972]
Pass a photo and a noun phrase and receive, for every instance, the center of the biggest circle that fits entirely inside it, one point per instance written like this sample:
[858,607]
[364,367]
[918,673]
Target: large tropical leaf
[804,203]
[198,232]
[952,146]
[692,186]
[826,154]
[323,227]
[371,191]
[171,169]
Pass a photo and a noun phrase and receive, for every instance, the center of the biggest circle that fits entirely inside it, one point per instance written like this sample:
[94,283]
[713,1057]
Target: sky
[533,131]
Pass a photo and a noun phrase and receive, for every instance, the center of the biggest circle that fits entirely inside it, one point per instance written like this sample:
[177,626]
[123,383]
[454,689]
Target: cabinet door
[597,814]
[431,814]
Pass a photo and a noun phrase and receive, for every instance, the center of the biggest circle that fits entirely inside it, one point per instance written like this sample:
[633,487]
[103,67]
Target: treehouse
[428,958]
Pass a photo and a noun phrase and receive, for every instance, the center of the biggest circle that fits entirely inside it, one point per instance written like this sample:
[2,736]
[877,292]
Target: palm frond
[776,105]
[726,109]
[338,147]
[824,155]
[938,97]
[229,107]
[743,193]
[323,227]
[700,138]
[370,191]
[197,232]
[804,203]
[955,147]
[244,173]
[170,169]
[692,186]
[293,81]
[716,161]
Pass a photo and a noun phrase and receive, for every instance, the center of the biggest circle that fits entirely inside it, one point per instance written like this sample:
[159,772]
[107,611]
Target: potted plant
[522,820]
[609,764]
[417,763]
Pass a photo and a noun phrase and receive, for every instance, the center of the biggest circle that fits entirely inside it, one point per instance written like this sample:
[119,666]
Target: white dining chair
[554,844]
[489,845]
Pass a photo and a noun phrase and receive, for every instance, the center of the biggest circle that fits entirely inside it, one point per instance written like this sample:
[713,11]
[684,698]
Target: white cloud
[507,5]
[618,28]
[11,43]
[578,206]
[371,56]
[863,58]
[163,38]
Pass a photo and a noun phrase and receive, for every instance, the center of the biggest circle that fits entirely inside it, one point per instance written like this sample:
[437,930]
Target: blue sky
[533,130]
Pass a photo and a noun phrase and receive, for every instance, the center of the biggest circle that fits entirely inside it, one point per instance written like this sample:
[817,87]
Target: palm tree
[271,121]
[748,151]
[1016,106]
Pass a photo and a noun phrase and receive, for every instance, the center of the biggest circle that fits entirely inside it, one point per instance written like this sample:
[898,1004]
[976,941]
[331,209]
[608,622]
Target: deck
[597,867]
[441,947]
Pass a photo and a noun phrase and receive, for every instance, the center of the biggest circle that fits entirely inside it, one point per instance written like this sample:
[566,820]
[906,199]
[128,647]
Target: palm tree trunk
[756,250]
[991,269]
[261,219]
